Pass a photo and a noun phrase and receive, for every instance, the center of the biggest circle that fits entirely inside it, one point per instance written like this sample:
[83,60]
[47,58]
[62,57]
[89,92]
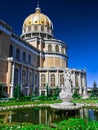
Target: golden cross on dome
[38,4]
[38,10]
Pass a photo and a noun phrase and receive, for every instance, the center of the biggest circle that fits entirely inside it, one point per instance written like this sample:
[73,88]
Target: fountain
[65,95]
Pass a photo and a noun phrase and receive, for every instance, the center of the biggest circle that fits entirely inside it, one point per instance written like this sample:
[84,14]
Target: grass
[13,103]
[88,101]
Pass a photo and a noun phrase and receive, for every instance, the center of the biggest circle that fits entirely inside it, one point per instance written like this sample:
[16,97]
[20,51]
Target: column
[41,60]
[57,79]
[84,91]
[81,113]
[36,42]
[84,84]
[80,89]
[27,81]
[74,81]
[46,117]
[9,76]
[12,80]
[21,69]
[39,116]
[48,78]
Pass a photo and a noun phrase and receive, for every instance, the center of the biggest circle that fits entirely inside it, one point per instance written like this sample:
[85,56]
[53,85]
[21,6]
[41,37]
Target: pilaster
[12,80]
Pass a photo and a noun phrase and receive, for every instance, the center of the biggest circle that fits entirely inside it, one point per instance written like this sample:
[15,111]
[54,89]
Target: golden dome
[37,19]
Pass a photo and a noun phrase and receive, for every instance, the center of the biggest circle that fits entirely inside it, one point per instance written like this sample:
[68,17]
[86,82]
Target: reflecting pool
[37,115]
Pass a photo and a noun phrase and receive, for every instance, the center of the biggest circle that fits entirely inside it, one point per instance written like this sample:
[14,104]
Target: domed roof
[37,19]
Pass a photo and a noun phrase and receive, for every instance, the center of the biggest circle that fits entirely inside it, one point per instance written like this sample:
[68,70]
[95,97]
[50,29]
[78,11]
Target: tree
[94,92]
[17,93]
[1,90]
[95,85]
[3,93]
[36,91]
[57,91]
[76,95]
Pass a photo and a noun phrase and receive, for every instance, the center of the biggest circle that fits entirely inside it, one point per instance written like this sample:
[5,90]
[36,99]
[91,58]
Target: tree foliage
[76,95]
[94,92]
[17,93]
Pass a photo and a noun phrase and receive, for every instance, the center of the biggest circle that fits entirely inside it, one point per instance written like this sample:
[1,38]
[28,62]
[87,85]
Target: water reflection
[45,115]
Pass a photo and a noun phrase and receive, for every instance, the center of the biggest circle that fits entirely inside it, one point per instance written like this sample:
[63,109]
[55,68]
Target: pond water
[38,115]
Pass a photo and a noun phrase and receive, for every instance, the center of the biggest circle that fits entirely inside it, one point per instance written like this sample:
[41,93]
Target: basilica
[36,58]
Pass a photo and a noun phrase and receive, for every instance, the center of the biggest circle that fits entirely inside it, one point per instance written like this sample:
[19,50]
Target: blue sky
[75,22]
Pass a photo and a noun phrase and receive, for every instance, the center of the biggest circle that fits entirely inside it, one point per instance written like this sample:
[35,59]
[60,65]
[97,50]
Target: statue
[68,82]
[66,89]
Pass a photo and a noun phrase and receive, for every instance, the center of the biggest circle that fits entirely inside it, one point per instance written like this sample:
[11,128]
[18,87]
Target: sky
[75,22]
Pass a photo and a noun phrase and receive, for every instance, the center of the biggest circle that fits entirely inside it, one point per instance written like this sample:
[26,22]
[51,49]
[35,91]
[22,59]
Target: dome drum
[36,28]
[36,34]
[37,23]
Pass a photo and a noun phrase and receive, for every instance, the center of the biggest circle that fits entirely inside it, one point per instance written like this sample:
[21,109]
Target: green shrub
[12,99]
[25,98]
[70,124]
[76,95]
[42,98]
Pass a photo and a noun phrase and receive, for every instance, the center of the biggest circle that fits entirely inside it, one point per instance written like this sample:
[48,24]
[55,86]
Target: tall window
[43,80]
[42,28]
[47,29]
[35,79]
[29,29]
[52,80]
[61,79]
[24,56]
[10,51]
[30,78]
[50,48]
[23,78]
[16,77]
[35,28]
[17,54]
[82,80]
[57,48]
[77,84]
[29,59]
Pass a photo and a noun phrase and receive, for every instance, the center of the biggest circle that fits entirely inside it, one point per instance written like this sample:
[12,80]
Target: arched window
[43,80]
[24,56]
[47,29]
[17,54]
[50,48]
[29,29]
[82,80]
[35,28]
[23,78]
[16,77]
[57,48]
[77,84]
[42,28]
[52,80]
[29,59]
[10,51]
[61,80]
[36,77]
[30,78]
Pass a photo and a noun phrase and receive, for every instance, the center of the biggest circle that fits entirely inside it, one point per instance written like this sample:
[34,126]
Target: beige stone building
[36,58]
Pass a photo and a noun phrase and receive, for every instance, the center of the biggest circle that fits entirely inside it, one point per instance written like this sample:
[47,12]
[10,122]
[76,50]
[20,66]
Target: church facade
[35,59]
